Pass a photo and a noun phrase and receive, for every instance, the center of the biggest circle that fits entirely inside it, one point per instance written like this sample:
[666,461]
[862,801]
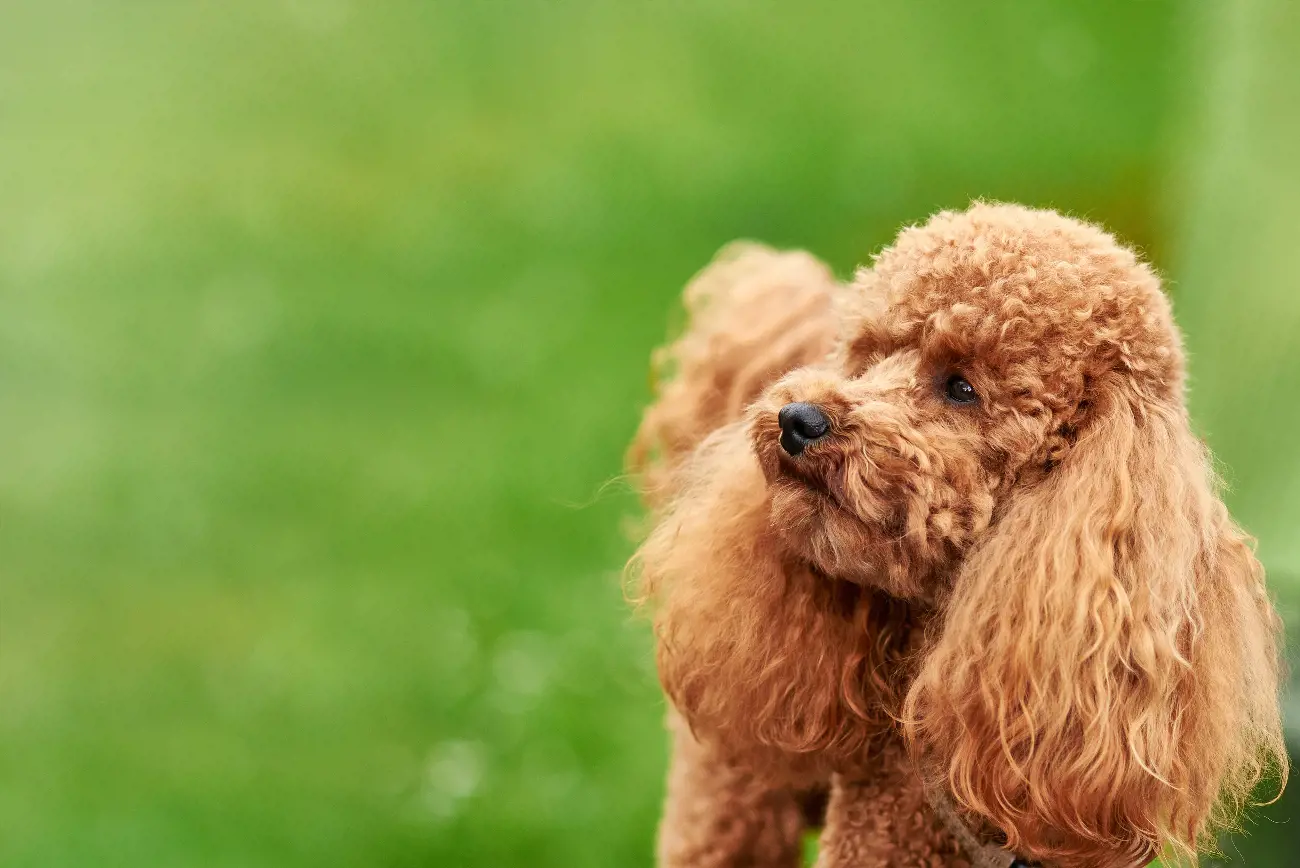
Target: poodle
[935,562]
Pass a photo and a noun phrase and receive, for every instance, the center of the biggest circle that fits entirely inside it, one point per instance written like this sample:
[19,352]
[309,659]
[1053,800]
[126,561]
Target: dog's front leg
[720,814]
[880,819]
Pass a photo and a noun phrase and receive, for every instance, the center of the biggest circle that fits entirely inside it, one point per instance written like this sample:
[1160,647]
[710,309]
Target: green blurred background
[323,326]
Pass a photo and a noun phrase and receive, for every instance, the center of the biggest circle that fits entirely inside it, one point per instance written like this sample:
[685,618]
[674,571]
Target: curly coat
[1033,603]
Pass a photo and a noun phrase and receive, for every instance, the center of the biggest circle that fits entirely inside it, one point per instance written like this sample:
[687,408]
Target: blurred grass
[1237,295]
[323,325]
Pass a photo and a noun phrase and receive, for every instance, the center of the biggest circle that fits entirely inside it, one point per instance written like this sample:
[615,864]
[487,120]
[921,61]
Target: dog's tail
[753,314]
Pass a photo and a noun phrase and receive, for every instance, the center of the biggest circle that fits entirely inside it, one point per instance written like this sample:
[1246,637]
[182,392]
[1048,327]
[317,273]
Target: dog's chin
[832,541]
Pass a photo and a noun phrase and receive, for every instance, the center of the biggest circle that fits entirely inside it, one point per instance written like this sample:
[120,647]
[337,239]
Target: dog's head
[1002,434]
[977,354]
[999,440]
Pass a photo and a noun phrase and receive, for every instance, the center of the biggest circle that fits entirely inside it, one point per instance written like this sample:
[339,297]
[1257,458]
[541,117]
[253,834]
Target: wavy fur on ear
[1104,685]
[753,314]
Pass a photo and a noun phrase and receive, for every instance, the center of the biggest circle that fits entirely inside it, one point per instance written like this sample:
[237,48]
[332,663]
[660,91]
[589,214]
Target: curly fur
[1039,595]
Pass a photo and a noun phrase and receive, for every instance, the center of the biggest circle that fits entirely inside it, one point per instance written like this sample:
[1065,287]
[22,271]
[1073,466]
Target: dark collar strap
[981,855]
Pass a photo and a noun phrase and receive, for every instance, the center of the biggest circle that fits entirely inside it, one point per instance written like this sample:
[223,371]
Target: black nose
[801,424]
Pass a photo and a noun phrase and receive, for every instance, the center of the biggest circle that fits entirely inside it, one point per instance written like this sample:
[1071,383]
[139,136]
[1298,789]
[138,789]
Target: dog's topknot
[1021,286]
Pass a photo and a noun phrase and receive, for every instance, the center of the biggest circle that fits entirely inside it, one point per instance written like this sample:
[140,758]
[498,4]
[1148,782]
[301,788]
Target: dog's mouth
[825,486]
[818,517]
[816,485]
[814,522]
[815,516]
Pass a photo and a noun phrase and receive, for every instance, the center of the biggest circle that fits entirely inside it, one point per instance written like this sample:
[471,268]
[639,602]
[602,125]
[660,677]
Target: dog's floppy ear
[1103,688]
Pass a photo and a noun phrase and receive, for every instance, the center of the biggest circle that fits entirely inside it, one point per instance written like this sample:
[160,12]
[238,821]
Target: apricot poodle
[937,562]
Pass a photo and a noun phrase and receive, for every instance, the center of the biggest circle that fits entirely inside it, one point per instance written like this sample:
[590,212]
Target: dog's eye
[959,391]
